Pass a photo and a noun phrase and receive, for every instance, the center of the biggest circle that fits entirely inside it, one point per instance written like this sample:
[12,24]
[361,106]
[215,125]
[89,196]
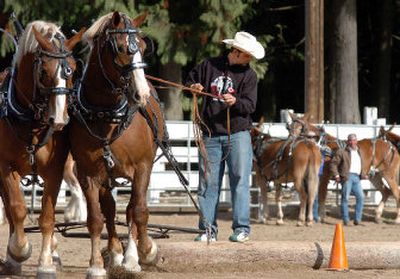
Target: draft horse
[379,159]
[34,112]
[114,133]
[296,159]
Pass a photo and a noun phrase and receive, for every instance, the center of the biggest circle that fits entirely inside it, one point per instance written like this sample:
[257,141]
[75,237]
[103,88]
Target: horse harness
[391,150]
[261,144]
[34,115]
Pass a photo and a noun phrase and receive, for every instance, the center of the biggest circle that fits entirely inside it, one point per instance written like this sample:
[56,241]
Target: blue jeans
[315,209]
[239,160]
[353,184]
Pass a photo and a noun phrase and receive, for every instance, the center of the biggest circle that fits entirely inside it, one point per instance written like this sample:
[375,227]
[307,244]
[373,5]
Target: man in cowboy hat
[234,84]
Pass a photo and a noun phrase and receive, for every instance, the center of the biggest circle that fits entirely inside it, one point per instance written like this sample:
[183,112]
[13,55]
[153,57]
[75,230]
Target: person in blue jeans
[346,167]
[226,136]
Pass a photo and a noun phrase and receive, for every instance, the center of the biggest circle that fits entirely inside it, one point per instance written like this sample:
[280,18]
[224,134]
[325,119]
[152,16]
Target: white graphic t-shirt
[222,85]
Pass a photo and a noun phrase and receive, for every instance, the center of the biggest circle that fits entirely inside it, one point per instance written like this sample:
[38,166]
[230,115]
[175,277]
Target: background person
[346,167]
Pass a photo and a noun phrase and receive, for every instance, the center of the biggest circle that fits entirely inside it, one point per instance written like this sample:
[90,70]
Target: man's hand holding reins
[197,86]
[229,99]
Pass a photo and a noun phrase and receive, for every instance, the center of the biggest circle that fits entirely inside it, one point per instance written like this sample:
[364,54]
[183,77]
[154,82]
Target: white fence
[165,190]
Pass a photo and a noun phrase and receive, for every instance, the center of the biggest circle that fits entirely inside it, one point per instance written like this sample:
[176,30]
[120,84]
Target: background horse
[379,159]
[76,209]
[292,160]
[36,107]
[114,134]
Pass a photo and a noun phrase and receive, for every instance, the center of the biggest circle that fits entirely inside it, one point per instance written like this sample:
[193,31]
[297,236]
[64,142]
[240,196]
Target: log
[182,256]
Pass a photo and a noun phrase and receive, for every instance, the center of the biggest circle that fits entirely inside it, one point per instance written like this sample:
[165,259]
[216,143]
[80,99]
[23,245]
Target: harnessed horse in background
[379,159]
[76,209]
[295,159]
[34,112]
[114,133]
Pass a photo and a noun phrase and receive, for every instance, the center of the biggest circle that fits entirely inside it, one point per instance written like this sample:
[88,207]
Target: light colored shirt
[355,162]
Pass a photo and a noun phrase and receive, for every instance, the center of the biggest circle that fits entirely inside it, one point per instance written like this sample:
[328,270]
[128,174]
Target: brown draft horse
[295,159]
[111,136]
[36,105]
[379,159]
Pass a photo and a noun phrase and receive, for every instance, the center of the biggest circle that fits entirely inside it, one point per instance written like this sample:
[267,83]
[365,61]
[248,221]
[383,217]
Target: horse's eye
[120,49]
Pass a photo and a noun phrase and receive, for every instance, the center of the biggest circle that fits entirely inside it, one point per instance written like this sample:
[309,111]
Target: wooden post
[314,56]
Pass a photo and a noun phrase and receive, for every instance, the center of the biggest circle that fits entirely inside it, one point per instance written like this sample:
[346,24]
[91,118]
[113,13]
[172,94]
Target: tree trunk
[381,73]
[314,63]
[343,70]
[171,97]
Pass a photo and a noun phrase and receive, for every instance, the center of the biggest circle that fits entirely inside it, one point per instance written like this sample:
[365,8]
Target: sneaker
[358,223]
[239,237]
[203,238]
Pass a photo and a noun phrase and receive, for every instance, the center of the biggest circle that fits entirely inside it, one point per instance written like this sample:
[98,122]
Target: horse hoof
[151,256]
[279,222]
[22,257]
[132,267]
[10,267]
[96,273]
[300,224]
[378,221]
[47,272]
[397,222]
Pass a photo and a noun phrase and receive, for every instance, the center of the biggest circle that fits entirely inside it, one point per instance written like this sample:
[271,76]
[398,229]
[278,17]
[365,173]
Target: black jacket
[218,77]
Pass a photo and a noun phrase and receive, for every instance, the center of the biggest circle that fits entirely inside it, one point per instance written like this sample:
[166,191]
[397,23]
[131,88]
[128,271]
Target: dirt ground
[75,251]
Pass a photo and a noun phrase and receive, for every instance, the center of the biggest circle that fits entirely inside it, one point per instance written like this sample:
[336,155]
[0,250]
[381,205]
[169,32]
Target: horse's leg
[18,249]
[2,213]
[278,200]
[312,184]
[264,212]
[54,254]
[138,217]
[108,209]
[376,180]
[95,226]
[323,191]
[299,185]
[46,223]
[76,210]
[395,191]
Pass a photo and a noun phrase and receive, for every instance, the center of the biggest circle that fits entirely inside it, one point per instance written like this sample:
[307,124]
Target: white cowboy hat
[248,43]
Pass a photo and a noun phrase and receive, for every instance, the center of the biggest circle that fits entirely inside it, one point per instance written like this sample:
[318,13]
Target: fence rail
[166,192]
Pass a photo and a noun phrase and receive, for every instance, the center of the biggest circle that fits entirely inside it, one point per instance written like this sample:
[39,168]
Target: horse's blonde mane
[97,27]
[28,42]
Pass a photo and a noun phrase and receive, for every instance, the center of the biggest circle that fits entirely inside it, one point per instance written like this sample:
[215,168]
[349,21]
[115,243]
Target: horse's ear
[42,40]
[382,131]
[116,18]
[391,128]
[71,42]
[260,122]
[292,115]
[138,21]
[308,117]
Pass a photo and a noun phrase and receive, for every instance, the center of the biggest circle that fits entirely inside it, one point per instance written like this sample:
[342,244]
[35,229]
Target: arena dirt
[75,251]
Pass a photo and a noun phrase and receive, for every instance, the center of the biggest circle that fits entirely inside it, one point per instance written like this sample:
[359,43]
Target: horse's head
[47,54]
[119,50]
[300,126]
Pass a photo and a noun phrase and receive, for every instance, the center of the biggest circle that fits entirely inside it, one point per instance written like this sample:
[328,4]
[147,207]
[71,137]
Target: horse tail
[314,163]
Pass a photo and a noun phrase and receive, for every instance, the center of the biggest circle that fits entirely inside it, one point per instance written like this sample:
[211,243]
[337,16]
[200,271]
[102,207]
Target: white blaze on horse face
[58,103]
[140,80]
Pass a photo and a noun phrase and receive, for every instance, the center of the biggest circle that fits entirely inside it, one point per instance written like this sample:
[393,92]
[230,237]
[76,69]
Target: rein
[197,121]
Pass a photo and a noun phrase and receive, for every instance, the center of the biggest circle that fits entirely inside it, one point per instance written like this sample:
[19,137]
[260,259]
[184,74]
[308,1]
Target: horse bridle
[133,48]
[66,70]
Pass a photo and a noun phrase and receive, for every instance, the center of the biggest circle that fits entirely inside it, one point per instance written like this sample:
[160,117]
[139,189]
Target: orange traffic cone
[338,260]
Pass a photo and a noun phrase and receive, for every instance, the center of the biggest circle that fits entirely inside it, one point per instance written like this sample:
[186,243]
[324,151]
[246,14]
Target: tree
[343,67]
[187,37]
